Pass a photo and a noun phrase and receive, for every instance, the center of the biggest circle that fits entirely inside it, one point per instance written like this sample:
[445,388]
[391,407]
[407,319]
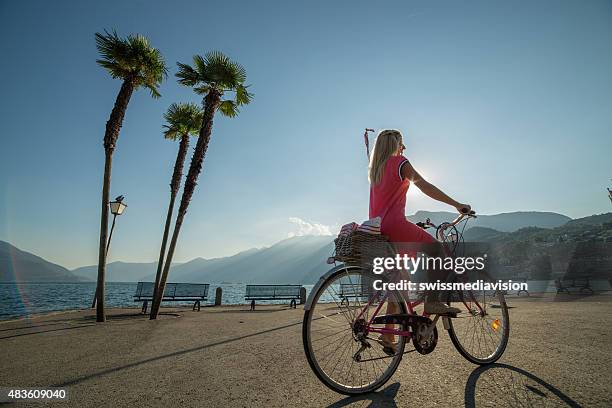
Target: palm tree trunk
[113,126]
[175,184]
[211,103]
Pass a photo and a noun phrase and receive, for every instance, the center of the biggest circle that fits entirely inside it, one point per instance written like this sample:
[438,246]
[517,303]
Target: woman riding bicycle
[390,175]
[345,317]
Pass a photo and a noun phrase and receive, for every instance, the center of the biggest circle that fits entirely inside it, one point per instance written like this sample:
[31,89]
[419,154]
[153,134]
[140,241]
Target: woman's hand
[463,208]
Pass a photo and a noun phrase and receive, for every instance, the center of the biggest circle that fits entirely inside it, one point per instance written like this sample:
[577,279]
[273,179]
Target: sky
[503,105]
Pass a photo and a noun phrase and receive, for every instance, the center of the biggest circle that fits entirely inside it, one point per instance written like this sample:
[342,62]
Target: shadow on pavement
[131,315]
[247,311]
[170,355]
[45,331]
[503,384]
[76,323]
[383,398]
[32,326]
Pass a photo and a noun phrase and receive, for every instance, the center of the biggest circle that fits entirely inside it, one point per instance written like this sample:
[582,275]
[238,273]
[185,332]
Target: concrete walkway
[560,354]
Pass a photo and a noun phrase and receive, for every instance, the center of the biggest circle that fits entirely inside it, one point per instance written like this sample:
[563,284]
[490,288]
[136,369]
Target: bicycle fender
[322,280]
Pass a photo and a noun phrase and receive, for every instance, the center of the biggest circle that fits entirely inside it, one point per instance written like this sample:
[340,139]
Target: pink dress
[388,201]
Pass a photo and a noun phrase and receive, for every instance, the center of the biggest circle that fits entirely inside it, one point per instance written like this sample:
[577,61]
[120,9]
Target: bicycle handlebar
[464,211]
[471,214]
[460,217]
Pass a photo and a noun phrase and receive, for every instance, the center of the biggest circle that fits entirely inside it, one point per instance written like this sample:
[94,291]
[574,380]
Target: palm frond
[243,97]
[170,132]
[111,49]
[182,119]
[187,75]
[131,58]
[222,71]
[216,71]
[228,108]
[202,90]
[200,65]
[154,92]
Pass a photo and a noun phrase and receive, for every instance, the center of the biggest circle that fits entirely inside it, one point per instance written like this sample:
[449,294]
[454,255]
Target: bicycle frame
[383,330]
[405,298]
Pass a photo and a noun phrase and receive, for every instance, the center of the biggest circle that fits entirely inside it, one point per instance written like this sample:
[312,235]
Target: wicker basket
[359,248]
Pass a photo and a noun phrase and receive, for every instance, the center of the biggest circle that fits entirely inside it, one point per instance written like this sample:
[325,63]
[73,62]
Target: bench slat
[173,291]
[272,292]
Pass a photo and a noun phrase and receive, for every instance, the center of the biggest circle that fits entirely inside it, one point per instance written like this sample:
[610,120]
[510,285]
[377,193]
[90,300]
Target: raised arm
[408,172]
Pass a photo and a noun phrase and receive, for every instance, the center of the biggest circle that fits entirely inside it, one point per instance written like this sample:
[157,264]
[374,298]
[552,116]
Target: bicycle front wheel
[340,348]
[481,332]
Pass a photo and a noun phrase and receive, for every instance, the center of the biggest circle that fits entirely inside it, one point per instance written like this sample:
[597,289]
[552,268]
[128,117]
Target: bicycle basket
[359,248]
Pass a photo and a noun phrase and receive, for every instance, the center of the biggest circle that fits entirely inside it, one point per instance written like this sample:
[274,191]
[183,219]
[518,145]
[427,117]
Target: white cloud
[308,228]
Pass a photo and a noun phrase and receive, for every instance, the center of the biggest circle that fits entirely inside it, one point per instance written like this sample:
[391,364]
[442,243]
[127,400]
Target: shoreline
[604,296]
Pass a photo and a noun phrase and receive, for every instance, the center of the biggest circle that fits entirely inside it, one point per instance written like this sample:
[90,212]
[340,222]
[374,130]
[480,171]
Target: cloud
[308,228]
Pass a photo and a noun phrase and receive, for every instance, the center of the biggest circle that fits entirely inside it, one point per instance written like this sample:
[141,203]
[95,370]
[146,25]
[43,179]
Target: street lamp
[116,207]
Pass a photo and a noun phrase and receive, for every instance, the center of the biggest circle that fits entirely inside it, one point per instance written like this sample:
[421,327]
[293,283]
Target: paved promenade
[560,354]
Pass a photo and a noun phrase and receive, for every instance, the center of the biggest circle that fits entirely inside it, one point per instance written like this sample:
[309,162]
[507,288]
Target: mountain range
[505,222]
[22,266]
[300,259]
[118,271]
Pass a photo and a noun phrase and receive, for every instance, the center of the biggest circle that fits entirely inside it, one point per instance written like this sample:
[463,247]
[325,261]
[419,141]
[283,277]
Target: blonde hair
[387,144]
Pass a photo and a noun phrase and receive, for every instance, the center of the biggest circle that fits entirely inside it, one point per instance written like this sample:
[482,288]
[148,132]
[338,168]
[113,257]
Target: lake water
[24,299]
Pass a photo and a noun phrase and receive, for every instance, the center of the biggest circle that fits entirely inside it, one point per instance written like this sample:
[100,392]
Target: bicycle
[337,330]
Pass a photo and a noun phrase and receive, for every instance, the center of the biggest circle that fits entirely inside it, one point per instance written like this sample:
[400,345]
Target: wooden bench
[273,292]
[521,280]
[175,292]
[580,283]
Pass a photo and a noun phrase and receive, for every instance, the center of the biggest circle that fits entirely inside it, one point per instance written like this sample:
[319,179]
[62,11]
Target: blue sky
[504,105]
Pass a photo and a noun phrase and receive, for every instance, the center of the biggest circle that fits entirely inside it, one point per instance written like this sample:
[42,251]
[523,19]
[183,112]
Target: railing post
[302,295]
[218,296]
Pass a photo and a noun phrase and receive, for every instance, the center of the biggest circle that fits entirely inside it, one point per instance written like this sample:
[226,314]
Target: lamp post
[116,207]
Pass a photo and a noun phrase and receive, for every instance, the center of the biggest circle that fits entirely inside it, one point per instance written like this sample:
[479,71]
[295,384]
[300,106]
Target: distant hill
[579,248]
[597,228]
[302,259]
[596,220]
[294,260]
[505,222]
[22,266]
[482,234]
[119,271]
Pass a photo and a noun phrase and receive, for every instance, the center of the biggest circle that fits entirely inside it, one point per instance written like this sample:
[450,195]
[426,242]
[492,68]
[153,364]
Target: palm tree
[183,120]
[134,61]
[212,76]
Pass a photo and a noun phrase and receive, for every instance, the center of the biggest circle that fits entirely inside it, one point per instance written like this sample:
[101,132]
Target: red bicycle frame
[409,305]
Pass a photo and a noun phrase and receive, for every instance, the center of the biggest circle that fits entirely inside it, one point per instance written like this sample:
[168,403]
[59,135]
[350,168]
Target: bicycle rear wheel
[481,332]
[341,351]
